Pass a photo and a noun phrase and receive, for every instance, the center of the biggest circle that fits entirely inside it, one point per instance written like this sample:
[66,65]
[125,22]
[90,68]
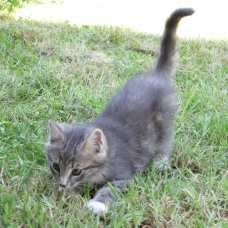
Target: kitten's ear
[94,141]
[55,134]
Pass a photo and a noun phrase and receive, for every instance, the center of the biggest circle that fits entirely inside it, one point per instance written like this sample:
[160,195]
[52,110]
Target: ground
[65,72]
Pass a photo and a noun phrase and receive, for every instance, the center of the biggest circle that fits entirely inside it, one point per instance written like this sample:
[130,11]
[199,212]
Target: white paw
[162,164]
[97,207]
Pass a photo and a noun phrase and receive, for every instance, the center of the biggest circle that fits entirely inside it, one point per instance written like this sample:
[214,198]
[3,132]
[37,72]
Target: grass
[68,73]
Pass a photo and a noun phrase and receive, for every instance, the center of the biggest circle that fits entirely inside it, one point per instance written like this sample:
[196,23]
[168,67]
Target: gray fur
[135,127]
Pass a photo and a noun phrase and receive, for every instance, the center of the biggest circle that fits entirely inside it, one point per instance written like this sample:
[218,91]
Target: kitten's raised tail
[166,58]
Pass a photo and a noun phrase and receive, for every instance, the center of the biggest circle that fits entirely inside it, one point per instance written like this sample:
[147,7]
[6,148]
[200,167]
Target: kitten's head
[76,154]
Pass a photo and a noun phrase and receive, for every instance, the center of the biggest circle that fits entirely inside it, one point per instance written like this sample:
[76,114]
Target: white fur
[97,207]
[162,164]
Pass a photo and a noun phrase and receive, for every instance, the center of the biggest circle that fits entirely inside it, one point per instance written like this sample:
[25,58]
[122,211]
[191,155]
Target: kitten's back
[143,111]
[151,92]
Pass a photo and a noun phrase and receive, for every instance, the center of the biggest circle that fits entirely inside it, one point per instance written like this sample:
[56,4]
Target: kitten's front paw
[97,207]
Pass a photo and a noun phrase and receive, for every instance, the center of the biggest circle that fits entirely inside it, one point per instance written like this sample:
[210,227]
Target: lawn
[68,73]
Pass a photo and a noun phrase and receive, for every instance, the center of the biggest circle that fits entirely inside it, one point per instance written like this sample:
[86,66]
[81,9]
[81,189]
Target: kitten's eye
[76,172]
[56,167]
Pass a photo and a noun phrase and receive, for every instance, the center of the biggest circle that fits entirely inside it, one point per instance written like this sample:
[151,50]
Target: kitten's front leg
[103,197]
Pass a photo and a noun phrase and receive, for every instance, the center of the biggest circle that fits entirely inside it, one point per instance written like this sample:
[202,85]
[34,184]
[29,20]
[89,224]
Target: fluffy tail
[166,58]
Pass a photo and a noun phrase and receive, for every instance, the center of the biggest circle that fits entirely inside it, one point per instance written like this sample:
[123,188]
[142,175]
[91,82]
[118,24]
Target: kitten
[135,127]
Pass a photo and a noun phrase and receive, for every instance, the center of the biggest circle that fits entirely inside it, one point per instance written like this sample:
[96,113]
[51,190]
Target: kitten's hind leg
[163,145]
[103,197]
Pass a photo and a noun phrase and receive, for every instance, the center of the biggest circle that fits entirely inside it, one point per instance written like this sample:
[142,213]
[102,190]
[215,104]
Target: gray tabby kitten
[135,127]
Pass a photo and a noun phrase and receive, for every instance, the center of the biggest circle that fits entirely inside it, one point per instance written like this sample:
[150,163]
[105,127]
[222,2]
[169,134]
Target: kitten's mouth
[63,187]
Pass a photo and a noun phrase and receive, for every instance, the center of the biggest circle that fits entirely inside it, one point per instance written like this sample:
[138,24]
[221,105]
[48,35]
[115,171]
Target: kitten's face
[76,154]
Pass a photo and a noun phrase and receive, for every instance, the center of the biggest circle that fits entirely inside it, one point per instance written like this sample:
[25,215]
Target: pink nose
[62,182]
[62,185]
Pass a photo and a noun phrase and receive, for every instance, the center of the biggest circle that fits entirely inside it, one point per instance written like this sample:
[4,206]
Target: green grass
[68,73]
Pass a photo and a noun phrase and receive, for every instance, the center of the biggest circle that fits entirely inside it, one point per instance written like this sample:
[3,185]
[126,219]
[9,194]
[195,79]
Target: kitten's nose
[62,185]
[62,182]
